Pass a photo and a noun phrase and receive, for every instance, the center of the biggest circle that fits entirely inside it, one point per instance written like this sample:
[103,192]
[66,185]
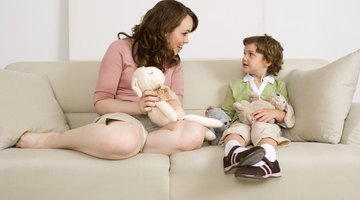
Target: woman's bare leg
[175,137]
[117,140]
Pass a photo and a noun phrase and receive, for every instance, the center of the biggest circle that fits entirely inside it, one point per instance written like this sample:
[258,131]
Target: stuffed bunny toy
[169,108]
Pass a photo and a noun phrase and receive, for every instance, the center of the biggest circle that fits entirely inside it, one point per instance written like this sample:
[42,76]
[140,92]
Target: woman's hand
[147,101]
[265,115]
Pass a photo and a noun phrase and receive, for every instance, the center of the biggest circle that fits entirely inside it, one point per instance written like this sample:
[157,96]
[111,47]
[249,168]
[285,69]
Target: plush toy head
[278,101]
[147,78]
[218,113]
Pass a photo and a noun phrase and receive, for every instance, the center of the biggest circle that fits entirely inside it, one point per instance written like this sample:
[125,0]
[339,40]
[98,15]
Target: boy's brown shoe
[246,158]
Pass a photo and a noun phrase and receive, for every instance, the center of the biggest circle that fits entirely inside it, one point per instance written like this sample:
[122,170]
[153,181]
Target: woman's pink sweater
[117,68]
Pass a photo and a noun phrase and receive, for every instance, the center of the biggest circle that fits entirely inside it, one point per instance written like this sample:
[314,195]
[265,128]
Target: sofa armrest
[351,132]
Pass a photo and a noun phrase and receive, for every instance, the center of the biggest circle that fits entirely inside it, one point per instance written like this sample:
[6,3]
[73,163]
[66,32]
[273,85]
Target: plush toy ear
[208,109]
[135,87]
[238,106]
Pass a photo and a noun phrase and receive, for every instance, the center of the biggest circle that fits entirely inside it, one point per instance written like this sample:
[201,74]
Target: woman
[122,129]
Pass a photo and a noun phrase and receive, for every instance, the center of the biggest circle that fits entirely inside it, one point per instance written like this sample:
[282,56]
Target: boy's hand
[265,115]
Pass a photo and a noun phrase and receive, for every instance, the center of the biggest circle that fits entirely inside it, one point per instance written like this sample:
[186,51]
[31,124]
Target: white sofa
[311,170]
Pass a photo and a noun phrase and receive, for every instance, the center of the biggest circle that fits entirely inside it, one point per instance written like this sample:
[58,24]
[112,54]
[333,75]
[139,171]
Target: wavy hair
[271,49]
[150,47]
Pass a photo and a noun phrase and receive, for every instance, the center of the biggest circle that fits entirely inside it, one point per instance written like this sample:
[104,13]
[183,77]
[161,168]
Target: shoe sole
[249,177]
[251,159]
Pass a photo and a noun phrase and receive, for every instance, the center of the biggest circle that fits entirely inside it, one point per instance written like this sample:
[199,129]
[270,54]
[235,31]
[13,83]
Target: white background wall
[217,35]
[35,30]
[326,29]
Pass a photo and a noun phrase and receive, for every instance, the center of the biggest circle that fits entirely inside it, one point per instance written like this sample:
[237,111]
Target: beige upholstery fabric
[73,84]
[351,133]
[322,98]
[27,103]
[206,81]
[309,171]
[54,174]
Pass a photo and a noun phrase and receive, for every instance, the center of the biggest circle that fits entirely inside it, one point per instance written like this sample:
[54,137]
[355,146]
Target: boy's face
[254,62]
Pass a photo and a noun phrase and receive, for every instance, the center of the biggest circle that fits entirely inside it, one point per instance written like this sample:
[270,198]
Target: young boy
[261,62]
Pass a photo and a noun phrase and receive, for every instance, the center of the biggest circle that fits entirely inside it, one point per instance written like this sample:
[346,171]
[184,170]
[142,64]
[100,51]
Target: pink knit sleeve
[109,73]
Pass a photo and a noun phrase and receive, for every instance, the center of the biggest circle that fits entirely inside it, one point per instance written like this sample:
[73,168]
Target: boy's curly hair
[270,49]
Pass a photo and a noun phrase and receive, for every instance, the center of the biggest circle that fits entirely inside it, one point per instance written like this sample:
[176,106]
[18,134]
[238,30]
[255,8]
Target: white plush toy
[169,108]
[244,109]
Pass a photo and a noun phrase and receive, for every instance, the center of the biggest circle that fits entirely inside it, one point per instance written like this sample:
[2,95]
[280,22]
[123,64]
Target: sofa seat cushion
[309,171]
[42,173]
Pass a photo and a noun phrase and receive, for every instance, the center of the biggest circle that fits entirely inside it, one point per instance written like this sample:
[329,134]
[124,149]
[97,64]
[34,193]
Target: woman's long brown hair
[150,47]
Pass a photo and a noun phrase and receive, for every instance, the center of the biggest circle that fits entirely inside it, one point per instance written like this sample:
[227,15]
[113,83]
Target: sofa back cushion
[205,82]
[27,103]
[322,99]
[73,84]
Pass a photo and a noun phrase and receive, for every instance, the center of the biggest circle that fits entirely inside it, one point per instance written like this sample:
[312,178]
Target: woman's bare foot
[34,140]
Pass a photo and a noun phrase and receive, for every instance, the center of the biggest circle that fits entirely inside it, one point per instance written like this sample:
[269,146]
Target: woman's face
[179,36]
